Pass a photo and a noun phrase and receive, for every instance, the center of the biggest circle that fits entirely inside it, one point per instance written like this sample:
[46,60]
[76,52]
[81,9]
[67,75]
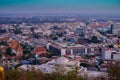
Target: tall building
[111,28]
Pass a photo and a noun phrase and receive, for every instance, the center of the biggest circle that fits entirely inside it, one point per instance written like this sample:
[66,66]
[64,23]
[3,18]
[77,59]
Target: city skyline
[89,7]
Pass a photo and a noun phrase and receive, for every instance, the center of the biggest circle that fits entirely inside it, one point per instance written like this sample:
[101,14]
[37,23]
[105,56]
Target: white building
[63,62]
[65,65]
[68,48]
[111,55]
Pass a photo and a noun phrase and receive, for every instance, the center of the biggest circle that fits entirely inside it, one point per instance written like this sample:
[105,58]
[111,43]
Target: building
[40,50]
[110,54]
[61,63]
[67,48]
[16,48]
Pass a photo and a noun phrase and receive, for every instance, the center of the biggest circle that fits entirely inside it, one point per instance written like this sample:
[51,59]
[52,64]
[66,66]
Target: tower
[111,28]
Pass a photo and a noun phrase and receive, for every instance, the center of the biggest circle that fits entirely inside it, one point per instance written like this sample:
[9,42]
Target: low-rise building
[111,54]
[67,48]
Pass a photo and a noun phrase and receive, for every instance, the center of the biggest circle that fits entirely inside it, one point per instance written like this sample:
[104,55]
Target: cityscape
[59,40]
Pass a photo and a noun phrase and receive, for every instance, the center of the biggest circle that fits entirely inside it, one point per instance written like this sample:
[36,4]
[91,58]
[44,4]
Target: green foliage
[114,71]
[19,74]
[59,74]
[1,54]
[26,48]
[110,46]
[59,34]
[8,51]
[17,31]
[84,64]
[36,36]
[4,43]
[51,54]
[94,39]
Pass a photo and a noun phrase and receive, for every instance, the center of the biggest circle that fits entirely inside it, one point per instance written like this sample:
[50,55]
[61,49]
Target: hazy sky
[60,6]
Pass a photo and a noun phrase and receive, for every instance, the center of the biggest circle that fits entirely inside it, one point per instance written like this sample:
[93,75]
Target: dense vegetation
[114,71]
[38,75]
[33,74]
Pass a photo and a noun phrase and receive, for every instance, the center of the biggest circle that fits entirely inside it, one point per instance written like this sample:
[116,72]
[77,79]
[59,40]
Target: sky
[60,6]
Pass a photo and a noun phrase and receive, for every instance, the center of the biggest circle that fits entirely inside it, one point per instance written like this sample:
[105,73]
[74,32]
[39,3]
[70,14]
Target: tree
[35,35]
[17,31]
[0,55]
[84,64]
[94,39]
[8,51]
[32,29]
[26,48]
[114,71]
[2,30]
[60,69]
[4,43]
[110,46]
[59,34]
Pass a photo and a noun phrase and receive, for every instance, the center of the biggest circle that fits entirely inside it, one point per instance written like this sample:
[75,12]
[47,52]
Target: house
[40,50]
[110,54]
[16,48]
[62,63]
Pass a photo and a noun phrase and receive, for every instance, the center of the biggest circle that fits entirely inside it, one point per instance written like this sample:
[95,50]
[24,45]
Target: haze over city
[59,7]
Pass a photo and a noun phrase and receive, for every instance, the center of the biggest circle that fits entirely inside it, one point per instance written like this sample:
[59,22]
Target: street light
[36,56]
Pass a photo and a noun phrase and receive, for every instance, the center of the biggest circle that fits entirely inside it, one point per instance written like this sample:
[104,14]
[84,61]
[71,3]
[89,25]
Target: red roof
[40,50]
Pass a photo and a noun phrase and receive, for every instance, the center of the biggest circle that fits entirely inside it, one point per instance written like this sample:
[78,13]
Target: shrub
[114,71]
